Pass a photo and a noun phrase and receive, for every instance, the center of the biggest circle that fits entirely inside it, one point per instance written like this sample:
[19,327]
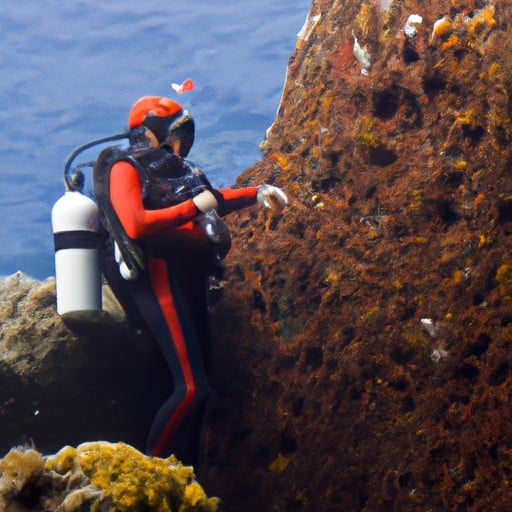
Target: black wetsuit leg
[169,302]
[173,327]
[189,275]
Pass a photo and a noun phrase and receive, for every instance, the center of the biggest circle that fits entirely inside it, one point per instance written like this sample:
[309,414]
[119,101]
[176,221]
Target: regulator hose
[76,182]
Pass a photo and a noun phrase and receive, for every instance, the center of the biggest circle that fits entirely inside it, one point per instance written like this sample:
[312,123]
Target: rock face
[66,384]
[363,343]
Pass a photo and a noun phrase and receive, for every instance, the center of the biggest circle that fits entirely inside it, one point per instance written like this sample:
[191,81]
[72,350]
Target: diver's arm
[235,199]
[126,197]
[232,199]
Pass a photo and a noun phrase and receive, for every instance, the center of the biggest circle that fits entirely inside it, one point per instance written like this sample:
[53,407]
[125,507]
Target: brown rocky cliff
[363,354]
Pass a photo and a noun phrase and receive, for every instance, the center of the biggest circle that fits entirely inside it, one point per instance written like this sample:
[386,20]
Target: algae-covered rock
[66,383]
[364,343]
[99,476]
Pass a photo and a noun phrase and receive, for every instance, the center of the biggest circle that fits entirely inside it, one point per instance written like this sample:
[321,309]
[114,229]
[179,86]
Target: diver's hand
[272,197]
[205,201]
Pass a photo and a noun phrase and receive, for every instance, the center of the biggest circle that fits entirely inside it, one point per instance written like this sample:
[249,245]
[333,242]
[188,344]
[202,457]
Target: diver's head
[180,135]
[166,120]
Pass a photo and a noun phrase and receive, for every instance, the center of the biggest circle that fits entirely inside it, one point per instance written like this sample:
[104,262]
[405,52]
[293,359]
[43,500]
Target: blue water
[72,69]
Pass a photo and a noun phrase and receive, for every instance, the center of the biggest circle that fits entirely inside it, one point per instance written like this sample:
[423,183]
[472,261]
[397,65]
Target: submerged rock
[69,383]
[98,476]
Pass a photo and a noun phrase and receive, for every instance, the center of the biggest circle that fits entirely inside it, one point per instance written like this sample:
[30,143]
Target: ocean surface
[71,70]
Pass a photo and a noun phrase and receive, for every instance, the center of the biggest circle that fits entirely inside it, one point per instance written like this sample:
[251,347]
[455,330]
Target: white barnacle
[385,5]
[437,354]
[410,25]
[441,26]
[430,326]
[362,56]
[307,29]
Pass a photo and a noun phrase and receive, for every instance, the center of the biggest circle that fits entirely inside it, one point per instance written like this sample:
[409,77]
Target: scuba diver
[164,238]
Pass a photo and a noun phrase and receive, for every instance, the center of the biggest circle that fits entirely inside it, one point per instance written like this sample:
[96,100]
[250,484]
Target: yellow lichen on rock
[504,279]
[99,474]
[363,19]
[136,482]
[18,467]
[280,463]
[194,494]
[481,18]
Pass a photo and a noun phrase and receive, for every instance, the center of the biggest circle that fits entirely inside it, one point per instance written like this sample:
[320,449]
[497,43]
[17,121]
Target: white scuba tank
[75,223]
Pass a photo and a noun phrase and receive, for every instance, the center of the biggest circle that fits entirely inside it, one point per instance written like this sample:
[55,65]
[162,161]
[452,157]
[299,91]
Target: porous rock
[363,349]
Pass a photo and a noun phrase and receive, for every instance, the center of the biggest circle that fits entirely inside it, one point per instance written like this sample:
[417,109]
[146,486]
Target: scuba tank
[76,232]
[75,222]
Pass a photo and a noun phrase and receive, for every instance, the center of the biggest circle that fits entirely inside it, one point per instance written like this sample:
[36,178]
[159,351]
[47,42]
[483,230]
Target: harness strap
[132,253]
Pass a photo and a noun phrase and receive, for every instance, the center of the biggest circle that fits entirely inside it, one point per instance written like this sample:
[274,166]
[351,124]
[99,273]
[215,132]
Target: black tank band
[76,240]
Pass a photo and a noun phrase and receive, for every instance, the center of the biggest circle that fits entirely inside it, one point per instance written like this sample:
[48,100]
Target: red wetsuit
[171,296]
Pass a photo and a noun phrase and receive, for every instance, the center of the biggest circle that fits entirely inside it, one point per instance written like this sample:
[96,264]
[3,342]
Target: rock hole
[474,134]
[298,229]
[241,434]
[287,444]
[334,157]
[445,210]
[478,299]
[355,394]
[466,371]
[504,211]
[239,272]
[386,103]
[506,320]
[400,384]
[481,345]
[274,222]
[490,282]
[325,184]
[412,112]
[500,374]
[348,333]
[370,192]
[409,52]
[454,152]
[406,481]
[501,135]
[297,406]
[459,399]
[382,156]
[287,362]
[434,84]
[314,357]
[31,493]
[494,453]
[258,301]
[454,179]
[408,404]
[401,355]
[408,313]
